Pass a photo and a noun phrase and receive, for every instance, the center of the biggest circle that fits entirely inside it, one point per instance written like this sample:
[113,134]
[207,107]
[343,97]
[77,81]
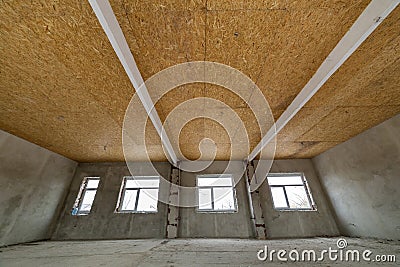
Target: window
[290,191]
[216,193]
[87,192]
[139,194]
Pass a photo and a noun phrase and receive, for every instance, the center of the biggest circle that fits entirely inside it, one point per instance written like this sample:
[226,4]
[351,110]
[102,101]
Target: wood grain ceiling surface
[63,88]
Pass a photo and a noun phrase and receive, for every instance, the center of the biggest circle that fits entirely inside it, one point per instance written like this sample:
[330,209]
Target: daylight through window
[216,193]
[290,191]
[139,194]
[87,192]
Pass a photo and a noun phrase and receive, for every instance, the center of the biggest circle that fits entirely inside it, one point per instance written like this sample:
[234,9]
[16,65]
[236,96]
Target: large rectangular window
[139,194]
[216,193]
[87,193]
[290,191]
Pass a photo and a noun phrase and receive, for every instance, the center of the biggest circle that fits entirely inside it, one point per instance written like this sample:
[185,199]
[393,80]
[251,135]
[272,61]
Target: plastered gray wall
[103,222]
[33,184]
[199,224]
[288,224]
[362,179]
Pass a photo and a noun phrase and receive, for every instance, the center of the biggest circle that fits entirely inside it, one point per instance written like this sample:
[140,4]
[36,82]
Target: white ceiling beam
[108,21]
[366,23]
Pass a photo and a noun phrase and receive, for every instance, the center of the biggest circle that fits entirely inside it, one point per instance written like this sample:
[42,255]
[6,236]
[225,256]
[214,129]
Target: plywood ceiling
[63,88]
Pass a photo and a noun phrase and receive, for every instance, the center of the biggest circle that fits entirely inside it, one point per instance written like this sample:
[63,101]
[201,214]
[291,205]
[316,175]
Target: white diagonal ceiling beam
[108,21]
[366,23]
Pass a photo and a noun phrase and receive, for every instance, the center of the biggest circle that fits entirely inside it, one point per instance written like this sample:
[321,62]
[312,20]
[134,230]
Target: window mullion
[137,198]
[286,197]
[212,198]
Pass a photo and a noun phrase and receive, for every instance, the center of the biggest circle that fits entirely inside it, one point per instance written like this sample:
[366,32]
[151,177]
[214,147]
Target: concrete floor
[181,252]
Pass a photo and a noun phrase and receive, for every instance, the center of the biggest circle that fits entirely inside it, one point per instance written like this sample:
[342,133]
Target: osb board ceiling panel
[343,122]
[180,96]
[362,93]
[374,62]
[293,58]
[63,88]
[162,37]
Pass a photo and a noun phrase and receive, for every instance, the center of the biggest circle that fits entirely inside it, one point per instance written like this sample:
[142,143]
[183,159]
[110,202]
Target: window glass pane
[142,183]
[224,198]
[148,199]
[297,197]
[211,181]
[278,196]
[87,200]
[205,199]
[84,200]
[129,200]
[92,183]
[285,180]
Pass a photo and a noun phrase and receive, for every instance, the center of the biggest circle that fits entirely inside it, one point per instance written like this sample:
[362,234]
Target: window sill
[216,211]
[295,209]
[135,212]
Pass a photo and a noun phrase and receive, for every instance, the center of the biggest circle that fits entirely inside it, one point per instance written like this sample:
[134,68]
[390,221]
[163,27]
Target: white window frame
[82,192]
[123,189]
[234,210]
[313,206]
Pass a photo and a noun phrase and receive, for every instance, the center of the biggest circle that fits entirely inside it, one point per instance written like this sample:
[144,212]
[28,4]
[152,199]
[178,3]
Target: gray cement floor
[183,252]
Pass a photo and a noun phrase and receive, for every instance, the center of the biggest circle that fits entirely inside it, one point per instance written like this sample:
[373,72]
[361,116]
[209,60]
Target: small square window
[139,194]
[87,193]
[290,191]
[216,193]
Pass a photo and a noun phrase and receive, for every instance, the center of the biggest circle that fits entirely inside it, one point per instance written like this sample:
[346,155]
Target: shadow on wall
[33,184]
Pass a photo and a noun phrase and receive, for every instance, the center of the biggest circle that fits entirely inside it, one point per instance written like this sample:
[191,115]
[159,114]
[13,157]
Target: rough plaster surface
[103,222]
[289,224]
[33,183]
[182,252]
[362,179]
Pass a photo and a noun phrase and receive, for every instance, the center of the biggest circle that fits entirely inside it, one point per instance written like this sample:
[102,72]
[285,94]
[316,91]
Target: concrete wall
[199,224]
[33,183]
[362,179]
[103,222]
[285,224]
